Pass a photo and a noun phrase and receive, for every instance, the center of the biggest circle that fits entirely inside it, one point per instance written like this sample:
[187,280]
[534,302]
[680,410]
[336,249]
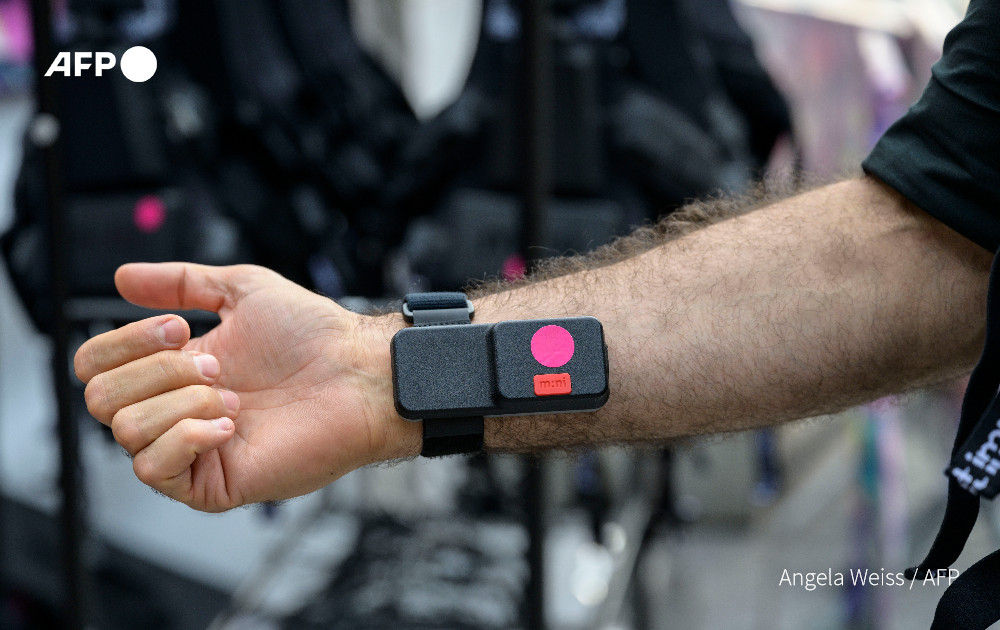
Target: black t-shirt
[944,154]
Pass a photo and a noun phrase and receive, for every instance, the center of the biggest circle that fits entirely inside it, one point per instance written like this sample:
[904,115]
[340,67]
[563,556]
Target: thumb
[171,286]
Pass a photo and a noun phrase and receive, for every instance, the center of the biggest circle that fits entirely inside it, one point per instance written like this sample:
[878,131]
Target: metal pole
[537,146]
[536,123]
[534,599]
[45,132]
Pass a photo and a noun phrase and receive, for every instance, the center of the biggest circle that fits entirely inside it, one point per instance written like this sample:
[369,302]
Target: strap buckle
[437,309]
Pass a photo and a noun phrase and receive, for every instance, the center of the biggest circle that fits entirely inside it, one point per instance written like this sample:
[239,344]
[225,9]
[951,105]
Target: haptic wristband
[451,373]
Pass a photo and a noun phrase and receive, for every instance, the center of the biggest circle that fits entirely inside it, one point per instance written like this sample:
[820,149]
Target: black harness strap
[973,601]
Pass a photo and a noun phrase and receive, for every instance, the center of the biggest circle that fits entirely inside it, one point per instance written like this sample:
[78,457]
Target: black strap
[445,436]
[451,436]
[971,602]
[980,412]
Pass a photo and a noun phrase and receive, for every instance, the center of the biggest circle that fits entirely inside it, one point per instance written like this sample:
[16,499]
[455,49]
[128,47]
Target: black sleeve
[944,154]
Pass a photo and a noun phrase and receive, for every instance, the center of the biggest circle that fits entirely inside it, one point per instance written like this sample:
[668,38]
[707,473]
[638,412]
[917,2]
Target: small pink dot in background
[514,267]
[552,346]
[150,214]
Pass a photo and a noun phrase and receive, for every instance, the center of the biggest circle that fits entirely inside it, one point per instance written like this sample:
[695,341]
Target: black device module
[514,367]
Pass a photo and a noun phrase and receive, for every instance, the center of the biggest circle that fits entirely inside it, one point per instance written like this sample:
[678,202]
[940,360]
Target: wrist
[392,436]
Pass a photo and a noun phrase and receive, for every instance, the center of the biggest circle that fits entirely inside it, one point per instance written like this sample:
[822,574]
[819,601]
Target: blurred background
[370,148]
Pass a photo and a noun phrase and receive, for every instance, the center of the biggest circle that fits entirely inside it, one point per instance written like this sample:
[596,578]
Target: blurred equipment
[433,574]
[269,136]
[308,130]
[653,104]
[276,152]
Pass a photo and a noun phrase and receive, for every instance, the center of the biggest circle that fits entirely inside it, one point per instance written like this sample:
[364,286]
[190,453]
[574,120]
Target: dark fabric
[972,602]
[943,154]
[452,436]
[976,464]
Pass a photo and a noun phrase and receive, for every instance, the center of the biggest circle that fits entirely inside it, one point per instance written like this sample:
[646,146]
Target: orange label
[552,384]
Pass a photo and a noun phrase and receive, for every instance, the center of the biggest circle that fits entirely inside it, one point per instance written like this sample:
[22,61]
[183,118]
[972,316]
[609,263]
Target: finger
[135,427]
[166,463]
[146,377]
[182,285]
[128,343]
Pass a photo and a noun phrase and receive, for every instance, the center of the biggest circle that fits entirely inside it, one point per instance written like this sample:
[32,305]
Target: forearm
[808,306]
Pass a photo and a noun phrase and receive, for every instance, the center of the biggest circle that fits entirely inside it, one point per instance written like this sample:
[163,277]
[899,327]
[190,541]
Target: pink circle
[150,214]
[552,346]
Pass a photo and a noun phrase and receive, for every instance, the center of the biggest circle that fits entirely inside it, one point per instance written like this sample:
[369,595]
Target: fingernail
[171,332]
[224,425]
[207,365]
[231,400]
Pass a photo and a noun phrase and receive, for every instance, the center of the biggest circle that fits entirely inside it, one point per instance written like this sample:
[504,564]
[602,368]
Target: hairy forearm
[810,305]
[807,306]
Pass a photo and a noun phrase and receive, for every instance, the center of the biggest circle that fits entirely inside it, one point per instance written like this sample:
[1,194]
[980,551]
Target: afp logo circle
[138,64]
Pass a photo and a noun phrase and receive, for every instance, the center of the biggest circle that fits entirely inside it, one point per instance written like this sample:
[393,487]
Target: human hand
[288,393]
